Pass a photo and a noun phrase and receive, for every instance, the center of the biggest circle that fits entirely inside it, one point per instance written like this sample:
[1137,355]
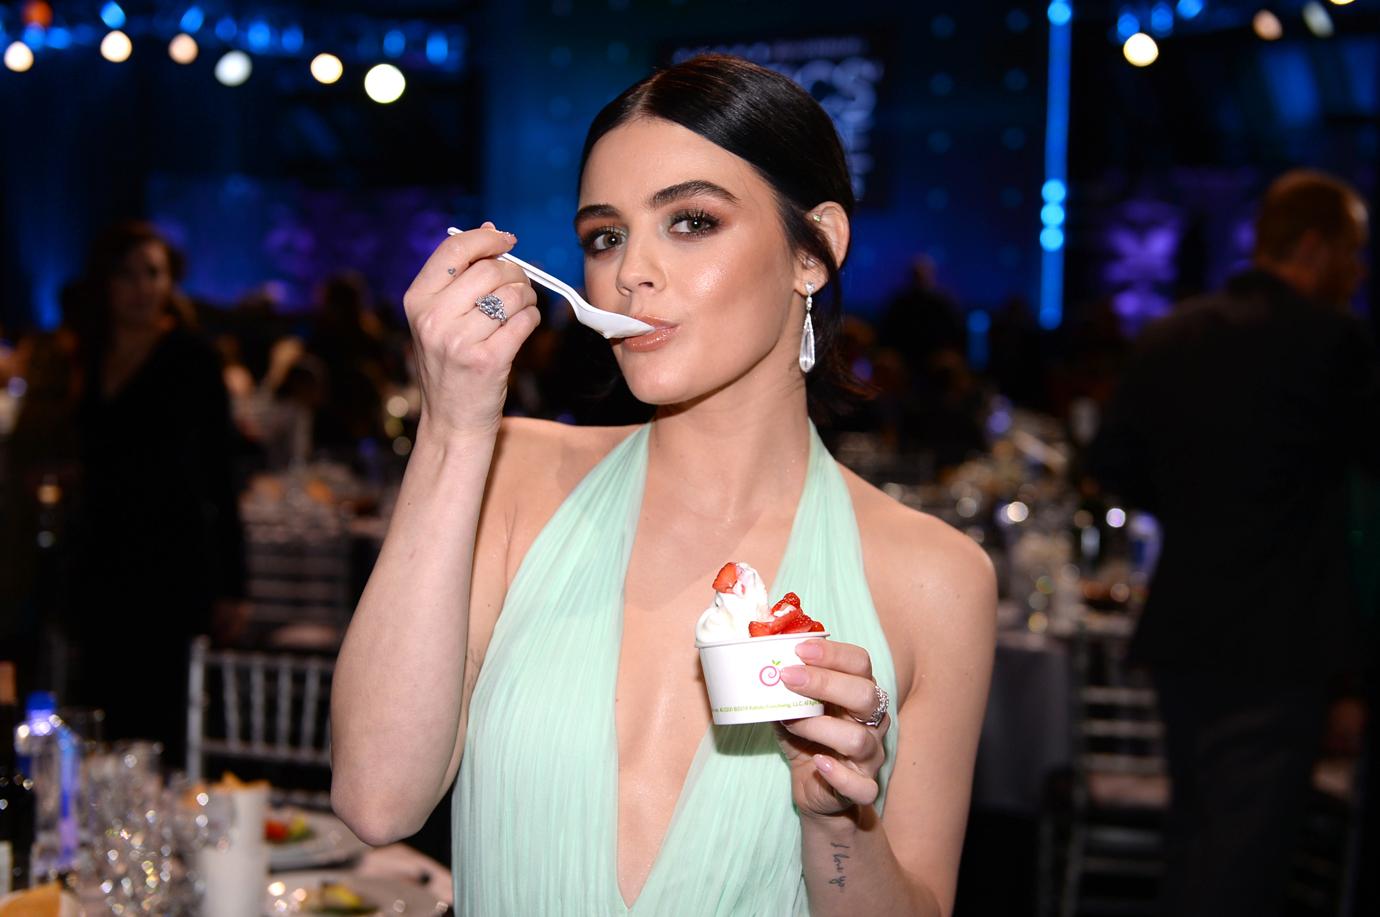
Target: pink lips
[662,332]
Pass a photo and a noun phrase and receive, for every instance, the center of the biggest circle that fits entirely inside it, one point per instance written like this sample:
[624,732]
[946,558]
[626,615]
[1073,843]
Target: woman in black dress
[162,555]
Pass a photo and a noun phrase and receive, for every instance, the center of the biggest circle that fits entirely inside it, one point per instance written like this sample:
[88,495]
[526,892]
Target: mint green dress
[535,813]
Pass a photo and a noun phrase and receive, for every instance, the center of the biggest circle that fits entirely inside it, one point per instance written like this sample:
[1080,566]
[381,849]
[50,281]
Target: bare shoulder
[536,465]
[934,587]
[544,452]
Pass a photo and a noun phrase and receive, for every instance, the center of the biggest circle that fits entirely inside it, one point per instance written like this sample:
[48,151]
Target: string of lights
[1140,28]
[379,49]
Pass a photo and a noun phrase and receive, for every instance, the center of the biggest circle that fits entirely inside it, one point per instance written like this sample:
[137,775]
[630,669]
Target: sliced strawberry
[803,624]
[760,628]
[789,600]
[727,578]
[790,622]
[275,831]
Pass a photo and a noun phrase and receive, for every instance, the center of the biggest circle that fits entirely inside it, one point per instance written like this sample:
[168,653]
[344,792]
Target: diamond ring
[883,704]
[492,306]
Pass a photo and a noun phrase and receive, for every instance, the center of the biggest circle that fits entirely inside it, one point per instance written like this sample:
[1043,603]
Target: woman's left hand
[834,758]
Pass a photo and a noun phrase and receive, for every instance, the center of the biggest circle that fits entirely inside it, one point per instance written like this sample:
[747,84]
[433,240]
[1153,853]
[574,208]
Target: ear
[830,219]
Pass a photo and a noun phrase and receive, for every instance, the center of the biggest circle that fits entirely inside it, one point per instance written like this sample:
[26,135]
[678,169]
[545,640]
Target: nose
[639,269]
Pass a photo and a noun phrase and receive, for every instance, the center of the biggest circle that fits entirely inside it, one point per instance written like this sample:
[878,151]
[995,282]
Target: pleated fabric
[535,811]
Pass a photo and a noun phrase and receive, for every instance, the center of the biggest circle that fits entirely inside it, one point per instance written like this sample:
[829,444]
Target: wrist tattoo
[841,879]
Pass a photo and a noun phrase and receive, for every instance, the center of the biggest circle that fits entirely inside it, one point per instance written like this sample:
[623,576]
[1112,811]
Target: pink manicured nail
[794,675]
[809,652]
[824,764]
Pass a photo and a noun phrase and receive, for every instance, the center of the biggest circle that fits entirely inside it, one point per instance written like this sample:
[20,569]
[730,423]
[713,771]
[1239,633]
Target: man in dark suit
[1236,424]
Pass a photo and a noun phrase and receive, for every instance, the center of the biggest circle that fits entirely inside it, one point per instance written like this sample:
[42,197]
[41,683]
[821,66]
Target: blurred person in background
[922,319]
[1237,423]
[162,556]
[942,403]
[348,338]
[1017,363]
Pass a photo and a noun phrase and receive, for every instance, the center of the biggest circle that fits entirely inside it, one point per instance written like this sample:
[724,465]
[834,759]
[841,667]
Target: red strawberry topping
[727,578]
[789,600]
[787,618]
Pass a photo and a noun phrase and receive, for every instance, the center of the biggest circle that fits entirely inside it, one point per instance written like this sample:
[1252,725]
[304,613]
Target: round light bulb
[19,57]
[183,48]
[384,83]
[1267,25]
[1141,50]
[116,47]
[326,68]
[234,68]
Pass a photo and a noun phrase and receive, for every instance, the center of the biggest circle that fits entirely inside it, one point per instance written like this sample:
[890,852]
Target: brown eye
[603,240]
[693,224]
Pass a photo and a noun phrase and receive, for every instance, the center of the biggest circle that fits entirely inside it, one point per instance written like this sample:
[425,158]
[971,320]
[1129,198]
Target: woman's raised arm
[396,696]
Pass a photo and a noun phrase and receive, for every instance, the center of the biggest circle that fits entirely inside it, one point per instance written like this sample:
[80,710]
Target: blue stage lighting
[258,36]
[437,48]
[394,43]
[1055,188]
[193,19]
[112,15]
[225,28]
[1189,9]
[292,39]
[1161,19]
[1127,25]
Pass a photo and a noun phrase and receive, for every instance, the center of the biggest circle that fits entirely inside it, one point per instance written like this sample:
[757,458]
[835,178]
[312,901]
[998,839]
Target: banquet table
[1026,732]
[406,864]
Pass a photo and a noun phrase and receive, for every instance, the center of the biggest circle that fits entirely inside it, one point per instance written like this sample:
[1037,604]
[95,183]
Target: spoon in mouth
[609,324]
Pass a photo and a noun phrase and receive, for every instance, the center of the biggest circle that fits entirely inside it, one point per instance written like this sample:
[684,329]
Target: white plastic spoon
[609,324]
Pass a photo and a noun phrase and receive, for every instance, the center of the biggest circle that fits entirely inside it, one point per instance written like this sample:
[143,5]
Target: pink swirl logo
[770,675]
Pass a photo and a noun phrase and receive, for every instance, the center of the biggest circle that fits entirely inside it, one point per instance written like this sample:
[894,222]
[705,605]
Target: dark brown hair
[780,130]
[1299,201]
[90,296]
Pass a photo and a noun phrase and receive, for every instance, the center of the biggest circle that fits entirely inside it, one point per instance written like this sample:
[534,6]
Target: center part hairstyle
[768,121]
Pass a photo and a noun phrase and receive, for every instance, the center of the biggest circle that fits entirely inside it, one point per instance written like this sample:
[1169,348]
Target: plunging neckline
[537,797]
[691,772]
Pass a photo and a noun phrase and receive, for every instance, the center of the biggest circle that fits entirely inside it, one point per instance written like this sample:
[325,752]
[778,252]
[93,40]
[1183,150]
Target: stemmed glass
[141,830]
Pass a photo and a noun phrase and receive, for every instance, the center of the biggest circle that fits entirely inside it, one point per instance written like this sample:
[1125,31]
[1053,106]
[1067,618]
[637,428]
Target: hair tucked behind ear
[770,122]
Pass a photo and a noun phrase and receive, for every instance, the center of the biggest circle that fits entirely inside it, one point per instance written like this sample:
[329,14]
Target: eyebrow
[692,188]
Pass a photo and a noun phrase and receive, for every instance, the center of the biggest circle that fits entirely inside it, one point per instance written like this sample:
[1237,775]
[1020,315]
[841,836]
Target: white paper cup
[744,679]
[236,873]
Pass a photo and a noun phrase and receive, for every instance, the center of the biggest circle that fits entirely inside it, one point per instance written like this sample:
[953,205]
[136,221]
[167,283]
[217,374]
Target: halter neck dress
[535,808]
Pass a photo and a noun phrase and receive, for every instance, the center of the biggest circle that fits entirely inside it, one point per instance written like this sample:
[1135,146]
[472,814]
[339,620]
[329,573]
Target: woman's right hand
[463,356]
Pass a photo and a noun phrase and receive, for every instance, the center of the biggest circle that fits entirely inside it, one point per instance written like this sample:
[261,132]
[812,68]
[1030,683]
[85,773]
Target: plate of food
[49,899]
[301,839]
[338,893]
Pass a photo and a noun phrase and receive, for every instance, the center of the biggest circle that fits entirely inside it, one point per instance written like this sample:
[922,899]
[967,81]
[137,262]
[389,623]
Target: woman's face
[142,286]
[686,236]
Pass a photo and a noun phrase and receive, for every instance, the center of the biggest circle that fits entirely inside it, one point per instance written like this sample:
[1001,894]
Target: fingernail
[488,225]
[809,652]
[794,675]
[824,764]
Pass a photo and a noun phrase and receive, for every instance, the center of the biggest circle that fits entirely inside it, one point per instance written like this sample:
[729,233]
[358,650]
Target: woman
[714,204]
[162,550]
